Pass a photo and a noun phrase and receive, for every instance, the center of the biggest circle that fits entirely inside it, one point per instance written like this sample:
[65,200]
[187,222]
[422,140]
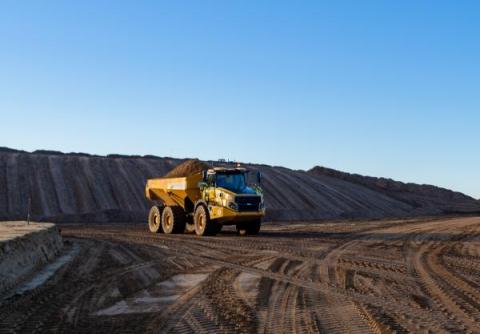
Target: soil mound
[187,168]
[82,188]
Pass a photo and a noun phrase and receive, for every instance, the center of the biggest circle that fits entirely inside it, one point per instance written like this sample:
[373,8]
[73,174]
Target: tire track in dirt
[390,322]
[380,277]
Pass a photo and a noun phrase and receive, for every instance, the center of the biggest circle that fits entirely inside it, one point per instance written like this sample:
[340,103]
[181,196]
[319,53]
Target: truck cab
[230,200]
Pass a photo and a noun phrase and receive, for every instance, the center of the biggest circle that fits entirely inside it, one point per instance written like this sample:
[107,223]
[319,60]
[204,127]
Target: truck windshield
[232,182]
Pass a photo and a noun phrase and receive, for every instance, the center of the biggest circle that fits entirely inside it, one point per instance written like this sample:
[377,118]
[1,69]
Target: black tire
[254,227]
[241,229]
[218,228]
[173,220]
[155,219]
[203,224]
[249,228]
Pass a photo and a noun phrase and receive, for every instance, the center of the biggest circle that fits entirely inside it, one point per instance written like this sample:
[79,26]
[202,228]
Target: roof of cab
[227,170]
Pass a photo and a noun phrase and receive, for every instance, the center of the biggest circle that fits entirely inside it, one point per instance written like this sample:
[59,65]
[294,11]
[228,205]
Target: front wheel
[203,224]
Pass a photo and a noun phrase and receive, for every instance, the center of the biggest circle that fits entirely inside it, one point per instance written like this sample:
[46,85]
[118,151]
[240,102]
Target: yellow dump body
[174,190]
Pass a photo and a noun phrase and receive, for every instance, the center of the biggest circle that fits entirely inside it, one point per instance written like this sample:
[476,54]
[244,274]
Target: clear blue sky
[384,88]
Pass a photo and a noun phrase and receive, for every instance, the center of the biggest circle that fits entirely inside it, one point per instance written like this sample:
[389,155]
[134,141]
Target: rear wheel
[203,224]
[173,220]
[155,219]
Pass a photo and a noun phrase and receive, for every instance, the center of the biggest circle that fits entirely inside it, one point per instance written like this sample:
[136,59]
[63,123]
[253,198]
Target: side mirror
[202,184]
[259,177]
[204,175]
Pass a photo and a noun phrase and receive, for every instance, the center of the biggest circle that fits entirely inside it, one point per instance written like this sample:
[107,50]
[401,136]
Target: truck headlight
[233,206]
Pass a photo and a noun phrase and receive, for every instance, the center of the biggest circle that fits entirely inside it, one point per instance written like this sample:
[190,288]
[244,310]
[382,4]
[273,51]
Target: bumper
[228,216]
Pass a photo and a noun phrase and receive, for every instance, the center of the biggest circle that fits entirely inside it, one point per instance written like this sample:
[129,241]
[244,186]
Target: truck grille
[247,203]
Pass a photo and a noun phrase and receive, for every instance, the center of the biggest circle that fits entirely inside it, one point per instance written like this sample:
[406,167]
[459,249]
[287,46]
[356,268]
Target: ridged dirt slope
[65,187]
[421,198]
[80,187]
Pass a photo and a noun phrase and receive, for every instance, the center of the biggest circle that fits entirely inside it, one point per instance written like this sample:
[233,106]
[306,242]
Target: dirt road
[418,276]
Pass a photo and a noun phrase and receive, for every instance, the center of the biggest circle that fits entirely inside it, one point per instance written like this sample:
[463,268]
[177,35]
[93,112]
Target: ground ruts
[418,276]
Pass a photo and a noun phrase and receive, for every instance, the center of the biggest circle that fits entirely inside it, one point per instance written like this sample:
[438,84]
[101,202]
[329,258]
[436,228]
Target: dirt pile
[187,168]
[416,195]
[79,187]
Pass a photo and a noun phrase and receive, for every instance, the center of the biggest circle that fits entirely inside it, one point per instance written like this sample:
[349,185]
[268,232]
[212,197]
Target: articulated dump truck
[205,201]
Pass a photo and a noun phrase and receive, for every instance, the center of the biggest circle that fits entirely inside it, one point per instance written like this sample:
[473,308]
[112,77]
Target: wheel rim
[156,220]
[168,221]
[201,221]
